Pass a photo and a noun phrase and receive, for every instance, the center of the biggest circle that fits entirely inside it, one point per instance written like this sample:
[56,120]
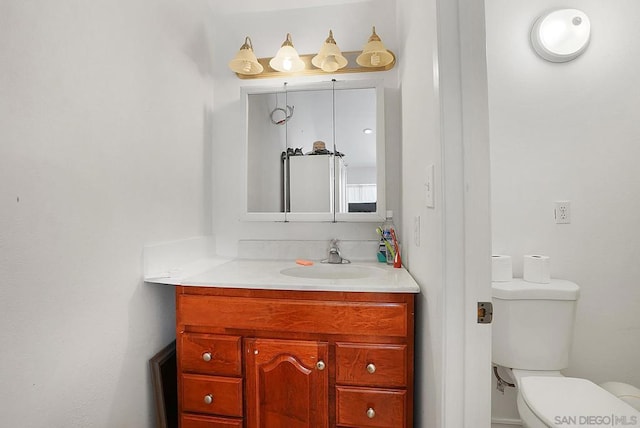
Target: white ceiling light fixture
[561,35]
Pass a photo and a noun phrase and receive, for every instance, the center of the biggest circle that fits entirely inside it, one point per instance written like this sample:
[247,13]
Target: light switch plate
[429,188]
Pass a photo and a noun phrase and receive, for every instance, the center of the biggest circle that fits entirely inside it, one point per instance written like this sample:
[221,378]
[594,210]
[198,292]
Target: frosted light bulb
[375,60]
[286,63]
[330,64]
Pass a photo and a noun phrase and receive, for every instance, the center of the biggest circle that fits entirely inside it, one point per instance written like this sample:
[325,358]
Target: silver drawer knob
[208,399]
[320,365]
[206,356]
[371,413]
[371,368]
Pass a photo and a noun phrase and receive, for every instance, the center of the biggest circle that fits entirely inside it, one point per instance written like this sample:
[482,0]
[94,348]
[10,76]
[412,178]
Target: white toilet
[532,333]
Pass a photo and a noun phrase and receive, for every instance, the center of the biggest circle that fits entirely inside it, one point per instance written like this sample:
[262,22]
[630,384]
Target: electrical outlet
[563,212]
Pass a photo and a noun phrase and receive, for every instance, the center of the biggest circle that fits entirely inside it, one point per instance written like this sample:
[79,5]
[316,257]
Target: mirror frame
[379,214]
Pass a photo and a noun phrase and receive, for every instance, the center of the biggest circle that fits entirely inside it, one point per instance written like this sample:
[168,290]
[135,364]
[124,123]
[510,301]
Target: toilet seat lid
[566,401]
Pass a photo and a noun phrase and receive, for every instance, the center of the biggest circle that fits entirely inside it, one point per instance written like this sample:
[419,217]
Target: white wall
[104,130]
[351,25]
[421,135]
[572,132]
[364,175]
[445,124]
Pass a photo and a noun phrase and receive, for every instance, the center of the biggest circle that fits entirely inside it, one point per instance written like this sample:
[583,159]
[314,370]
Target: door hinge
[485,312]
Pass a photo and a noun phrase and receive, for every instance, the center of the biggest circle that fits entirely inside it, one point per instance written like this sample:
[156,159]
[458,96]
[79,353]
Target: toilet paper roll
[501,268]
[537,269]
[627,393]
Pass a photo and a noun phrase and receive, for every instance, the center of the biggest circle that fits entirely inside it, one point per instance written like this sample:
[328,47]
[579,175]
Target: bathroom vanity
[315,354]
[268,343]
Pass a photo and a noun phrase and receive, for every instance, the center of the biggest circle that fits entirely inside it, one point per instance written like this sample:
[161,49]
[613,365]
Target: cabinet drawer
[374,365]
[295,315]
[196,421]
[369,407]
[212,394]
[210,354]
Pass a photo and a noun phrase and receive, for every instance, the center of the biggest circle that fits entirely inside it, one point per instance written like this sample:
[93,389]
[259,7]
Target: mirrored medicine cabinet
[315,152]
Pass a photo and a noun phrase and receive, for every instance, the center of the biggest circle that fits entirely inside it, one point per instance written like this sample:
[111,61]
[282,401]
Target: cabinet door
[287,383]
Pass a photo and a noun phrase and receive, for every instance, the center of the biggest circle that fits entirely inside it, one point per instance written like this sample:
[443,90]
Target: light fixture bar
[310,70]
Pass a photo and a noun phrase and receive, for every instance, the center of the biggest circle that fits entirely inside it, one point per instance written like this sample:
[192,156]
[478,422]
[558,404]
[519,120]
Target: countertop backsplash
[354,250]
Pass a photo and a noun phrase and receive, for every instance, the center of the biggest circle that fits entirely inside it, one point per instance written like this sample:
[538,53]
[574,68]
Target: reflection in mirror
[355,128]
[313,153]
[267,113]
[309,163]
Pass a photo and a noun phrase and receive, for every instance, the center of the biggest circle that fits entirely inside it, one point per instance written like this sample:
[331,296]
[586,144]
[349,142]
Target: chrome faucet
[334,254]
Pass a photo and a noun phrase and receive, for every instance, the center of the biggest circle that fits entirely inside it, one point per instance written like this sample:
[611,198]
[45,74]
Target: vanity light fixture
[287,58]
[245,61]
[329,58]
[374,53]
[561,35]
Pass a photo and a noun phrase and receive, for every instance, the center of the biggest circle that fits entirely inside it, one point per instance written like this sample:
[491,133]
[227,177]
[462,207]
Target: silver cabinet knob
[371,413]
[371,368]
[320,365]
[208,399]
[206,356]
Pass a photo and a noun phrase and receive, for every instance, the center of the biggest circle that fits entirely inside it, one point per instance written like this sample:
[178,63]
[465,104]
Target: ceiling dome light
[287,58]
[561,35]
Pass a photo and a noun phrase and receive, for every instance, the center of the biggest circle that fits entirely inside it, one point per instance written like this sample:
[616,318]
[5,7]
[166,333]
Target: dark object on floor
[164,377]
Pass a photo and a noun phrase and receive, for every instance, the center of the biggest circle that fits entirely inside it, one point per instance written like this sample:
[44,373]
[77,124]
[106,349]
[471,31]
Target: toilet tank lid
[519,289]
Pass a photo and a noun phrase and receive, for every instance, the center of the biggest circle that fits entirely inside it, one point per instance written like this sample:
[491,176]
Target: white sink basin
[333,271]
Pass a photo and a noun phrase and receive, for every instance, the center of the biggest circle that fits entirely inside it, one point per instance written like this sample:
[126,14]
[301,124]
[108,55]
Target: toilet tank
[533,323]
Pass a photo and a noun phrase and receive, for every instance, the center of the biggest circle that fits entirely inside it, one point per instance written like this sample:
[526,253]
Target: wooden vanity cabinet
[295,359]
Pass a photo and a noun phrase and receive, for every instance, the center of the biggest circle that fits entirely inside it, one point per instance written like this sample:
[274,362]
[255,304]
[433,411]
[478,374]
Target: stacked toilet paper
[536,268]
[501,268]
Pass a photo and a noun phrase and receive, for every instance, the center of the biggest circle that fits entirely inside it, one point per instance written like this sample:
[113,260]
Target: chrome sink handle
[334,254]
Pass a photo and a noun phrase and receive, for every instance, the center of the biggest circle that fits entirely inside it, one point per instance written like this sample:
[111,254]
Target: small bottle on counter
[382,251]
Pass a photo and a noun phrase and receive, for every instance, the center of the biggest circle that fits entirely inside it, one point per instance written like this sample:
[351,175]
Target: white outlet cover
[562,212]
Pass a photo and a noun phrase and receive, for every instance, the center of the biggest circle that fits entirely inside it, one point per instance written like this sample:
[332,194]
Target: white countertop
[266,274]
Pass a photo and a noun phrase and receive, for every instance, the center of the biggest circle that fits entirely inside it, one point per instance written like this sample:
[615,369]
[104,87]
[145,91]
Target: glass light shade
[374,53]
[245,61]
[329,58]
[561,35]
[287,58]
